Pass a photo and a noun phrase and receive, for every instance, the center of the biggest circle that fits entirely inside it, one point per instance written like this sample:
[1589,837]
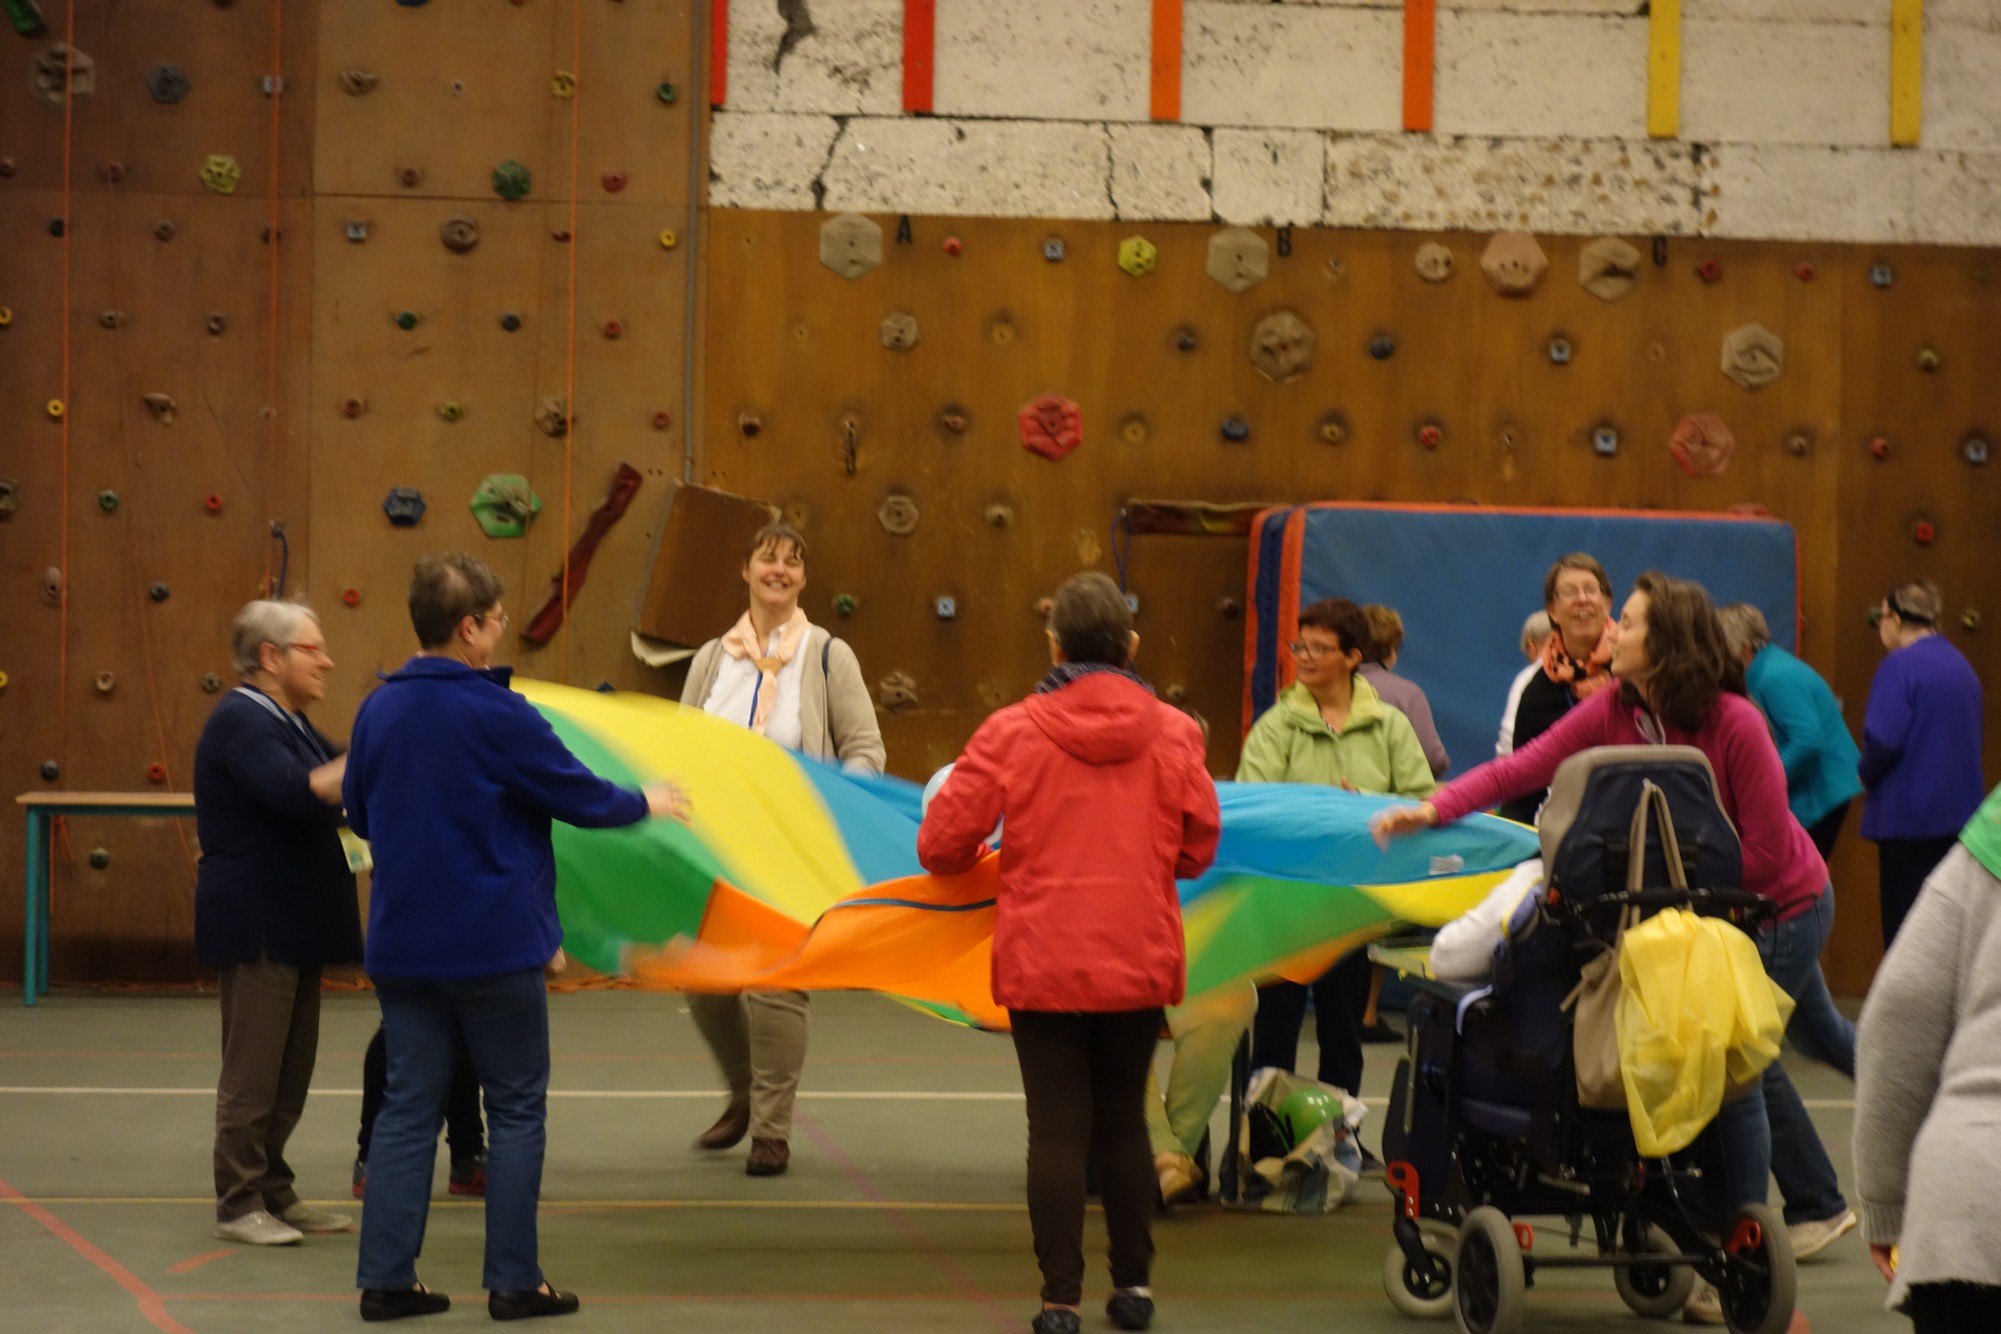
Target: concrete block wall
[1291,114]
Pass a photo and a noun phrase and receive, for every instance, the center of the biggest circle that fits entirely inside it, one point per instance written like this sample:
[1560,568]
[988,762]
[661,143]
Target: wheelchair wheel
[1409,1292]
[1758,1287]
[1655,1291]
[1489,1278]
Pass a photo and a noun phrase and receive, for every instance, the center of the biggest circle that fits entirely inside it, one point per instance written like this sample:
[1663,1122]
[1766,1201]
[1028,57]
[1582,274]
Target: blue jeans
[1767,1132]
[505,1024]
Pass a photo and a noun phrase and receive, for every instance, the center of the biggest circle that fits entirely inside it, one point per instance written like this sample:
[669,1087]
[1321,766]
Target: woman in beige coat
[785,678]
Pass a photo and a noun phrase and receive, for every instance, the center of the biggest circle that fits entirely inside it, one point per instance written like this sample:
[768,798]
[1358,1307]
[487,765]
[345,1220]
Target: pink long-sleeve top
[1780,861]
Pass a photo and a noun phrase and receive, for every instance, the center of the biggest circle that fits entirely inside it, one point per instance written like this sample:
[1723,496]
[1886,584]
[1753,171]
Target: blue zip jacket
[454,780]
[1814,745]
[1921,743]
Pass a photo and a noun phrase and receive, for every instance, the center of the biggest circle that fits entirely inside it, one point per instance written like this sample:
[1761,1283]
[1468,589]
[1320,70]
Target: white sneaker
[258,1228]
[308,1219]
[1704,1308]
[1814,1237]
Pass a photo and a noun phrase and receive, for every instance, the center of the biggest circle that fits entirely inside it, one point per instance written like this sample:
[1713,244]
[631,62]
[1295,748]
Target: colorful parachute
[792,874]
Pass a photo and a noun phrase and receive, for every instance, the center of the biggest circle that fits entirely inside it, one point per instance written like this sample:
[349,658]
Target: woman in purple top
[1920,748]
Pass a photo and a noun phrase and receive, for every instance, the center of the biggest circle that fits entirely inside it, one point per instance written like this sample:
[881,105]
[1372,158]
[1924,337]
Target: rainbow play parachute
[792,874]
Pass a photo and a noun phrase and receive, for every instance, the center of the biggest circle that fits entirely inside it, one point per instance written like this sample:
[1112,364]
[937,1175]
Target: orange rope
[570,338]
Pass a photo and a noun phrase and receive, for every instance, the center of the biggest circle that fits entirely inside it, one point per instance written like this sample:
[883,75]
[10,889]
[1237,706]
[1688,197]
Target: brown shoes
[768,1158]
[729,1129]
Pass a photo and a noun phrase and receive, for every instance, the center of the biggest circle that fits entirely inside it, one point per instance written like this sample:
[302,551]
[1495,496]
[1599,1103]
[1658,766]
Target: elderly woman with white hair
[274,904]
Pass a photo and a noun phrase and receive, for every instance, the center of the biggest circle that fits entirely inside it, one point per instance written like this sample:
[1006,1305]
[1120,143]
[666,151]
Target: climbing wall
[259,302]
[1318,365]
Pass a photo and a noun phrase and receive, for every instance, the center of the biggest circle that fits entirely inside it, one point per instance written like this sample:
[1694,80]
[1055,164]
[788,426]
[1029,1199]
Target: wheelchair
[1485,1130]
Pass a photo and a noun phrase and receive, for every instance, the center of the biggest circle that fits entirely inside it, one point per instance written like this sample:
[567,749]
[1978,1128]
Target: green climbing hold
[667,92]
[107,501]
[504,505]
[844,604]
[510,180]
[406,319]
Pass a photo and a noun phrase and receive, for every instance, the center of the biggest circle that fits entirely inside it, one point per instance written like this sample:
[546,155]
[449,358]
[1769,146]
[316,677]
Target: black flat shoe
[527,1305]
[1055,1320]
[1129,1310]
[396,1303]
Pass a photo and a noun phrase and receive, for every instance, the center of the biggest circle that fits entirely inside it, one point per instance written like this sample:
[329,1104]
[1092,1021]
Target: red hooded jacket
[1107,803]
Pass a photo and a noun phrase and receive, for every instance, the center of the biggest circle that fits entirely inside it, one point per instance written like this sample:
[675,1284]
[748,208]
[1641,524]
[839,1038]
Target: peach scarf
[742,642]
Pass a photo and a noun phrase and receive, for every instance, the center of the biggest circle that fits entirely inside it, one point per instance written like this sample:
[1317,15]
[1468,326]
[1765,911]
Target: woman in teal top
[1814,745]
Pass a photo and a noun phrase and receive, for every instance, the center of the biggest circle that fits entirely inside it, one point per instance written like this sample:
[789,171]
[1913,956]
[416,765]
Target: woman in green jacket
[1329,727]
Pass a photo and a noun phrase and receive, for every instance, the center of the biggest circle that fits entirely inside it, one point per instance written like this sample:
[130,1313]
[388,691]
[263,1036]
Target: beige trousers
[759,1040]
[270,1038]
[1205,1031]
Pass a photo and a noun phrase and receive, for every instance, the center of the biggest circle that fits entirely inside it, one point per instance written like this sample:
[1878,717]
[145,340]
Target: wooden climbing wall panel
[800,348]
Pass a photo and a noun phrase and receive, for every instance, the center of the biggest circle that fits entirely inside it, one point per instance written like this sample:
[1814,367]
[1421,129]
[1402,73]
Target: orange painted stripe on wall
[1420,39]
[1164,98]
[719,51]
[920,40]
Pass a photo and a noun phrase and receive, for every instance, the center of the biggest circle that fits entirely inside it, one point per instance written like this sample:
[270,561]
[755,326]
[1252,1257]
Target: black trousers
[1084,1076]
[1828,828]
[1340,997]
[1954,1308]
[465,1133]
[1901,866]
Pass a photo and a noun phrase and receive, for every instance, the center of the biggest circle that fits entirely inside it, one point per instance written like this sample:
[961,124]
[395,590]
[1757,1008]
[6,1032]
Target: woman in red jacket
[1107,803]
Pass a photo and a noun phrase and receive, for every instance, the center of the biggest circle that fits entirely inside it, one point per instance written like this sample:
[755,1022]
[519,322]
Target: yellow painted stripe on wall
[1664,69]
[1907,70]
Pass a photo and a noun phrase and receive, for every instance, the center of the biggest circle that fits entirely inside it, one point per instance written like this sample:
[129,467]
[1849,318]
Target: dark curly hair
[1691,661]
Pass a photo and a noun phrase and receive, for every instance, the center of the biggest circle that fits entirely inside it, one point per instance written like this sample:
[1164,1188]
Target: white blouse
[734,695]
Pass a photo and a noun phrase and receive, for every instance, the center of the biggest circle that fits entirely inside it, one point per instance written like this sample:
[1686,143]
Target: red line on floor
[150,1303]
[194,1262]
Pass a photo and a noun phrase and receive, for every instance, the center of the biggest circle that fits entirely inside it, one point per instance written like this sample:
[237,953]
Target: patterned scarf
[1063,673]
[1585,678]
[741,642]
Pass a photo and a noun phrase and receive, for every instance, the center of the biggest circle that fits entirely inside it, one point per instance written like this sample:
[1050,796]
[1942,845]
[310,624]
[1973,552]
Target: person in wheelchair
[1680,685]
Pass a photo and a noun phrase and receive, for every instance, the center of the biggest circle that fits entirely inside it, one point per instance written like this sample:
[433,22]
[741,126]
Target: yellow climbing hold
[220,173]
[6,316]
[563,83]
[668,239]
[56,408]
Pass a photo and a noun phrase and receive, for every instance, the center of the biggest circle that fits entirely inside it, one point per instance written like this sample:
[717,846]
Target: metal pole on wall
[699,60]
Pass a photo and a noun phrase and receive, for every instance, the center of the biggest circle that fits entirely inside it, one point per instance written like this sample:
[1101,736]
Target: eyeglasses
[1572,592]
[1306,652]
[311,650]
[500,616]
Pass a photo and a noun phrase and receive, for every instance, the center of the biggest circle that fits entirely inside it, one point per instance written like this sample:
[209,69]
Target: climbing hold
[6,316]
[954,247]
[1799,444]
[899,331]
[1229,608]
[52,586]
[1431,435]
[221,174]
[510,180]
[1185,338]
[459,233]
[105,683]
[357,232]
[1753,355]
[1702,444]
[409,177]
[896,692]
[161,406]
[1660,253]
[1880,447]
[99,858]
[108,501]
[563,84]
[159,592]
[999,515]
[350,597]
[56,227]
[954,419]
[1235,430]
[1051,426]
[1513,263]
[510,321]
[850,245]
[156,773]
[212,502]
[406,319]
[1924,532]
[1974,449]
[504,505]
[1608,268]
[451,410]
[666,92]
[1282,346]
[1559,350]
[1881,274]
[1133,430]
[1928,360]
[1970,619]
[1043,606]
[668,238]
[1709,271]
[1336,270]
[112,172]
[216,323]
[661,420]
[1434,262]
[561,236]
[110,319]
[612,181]
[404,505]
[1803,271]
[748,424]
[54,407]
[1382,347]
[844,604]
[898,515]
[945,609]
[1137,256]
[1605,441]
[1000,329]
[1332,430]
[1238,258]
[1132,603]
[3,680]
[1052,249]
[167,83]
[613,329]
[210,683]
[352,407]
[355,82]
[51,770]
[6,167]
[60,73]
[10,497]
[266,235]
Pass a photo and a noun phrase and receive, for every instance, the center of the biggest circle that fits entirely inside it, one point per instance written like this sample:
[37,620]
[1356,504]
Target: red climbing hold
[1924,533]
[954,246]
[661,421]
[1052,426]
[613,182]
[156,773]
[213,503]
[351,596]
[1880,447]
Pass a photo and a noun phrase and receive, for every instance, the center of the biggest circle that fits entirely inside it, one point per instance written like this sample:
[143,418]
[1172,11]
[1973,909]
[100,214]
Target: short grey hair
[1744,627]
[265,621]
[1536,629]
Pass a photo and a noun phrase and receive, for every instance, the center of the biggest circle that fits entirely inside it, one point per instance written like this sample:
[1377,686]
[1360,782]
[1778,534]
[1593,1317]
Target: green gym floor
[902,1210]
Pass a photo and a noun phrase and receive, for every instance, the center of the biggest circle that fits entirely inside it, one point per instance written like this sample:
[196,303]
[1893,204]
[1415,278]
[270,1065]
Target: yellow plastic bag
[1697,1015]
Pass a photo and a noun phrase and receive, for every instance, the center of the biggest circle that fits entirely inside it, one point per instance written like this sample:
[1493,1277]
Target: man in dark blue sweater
[455,780]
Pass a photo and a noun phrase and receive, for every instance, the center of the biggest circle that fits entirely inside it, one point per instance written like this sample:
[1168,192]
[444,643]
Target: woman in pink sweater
[1679,685]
